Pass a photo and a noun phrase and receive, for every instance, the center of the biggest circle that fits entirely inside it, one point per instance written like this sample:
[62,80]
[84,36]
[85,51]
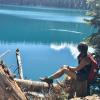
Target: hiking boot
[47,80]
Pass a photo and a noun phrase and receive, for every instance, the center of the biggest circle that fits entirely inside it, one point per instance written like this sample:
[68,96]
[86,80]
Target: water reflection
[38,59]
[45,16]
[43,25]
[47,38]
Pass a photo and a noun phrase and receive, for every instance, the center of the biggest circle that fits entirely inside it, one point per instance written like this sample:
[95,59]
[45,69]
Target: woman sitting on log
[80,72]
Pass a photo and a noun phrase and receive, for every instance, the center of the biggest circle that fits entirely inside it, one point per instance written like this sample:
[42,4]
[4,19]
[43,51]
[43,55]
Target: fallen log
[39,87]
[30,85]
[35,94]
[41,96]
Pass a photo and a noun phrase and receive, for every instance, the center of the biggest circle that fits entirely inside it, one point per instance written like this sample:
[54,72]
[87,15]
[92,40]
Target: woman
[79,72]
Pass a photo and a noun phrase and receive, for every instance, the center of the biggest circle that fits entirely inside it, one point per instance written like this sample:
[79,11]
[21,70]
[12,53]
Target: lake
[46,37]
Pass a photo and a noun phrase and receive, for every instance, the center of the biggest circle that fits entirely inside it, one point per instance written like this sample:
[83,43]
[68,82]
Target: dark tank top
[84,72]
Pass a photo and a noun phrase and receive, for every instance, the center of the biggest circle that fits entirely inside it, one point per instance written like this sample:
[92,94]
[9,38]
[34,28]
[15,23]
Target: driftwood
[35,87]
[38,89]
[35,94]
[41,96]
[9,90]
[29,85]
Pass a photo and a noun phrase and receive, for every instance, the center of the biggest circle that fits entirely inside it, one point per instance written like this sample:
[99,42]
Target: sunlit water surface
[47,38]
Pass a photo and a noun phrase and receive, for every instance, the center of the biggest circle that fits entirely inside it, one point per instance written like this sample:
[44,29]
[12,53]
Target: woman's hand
[72,68]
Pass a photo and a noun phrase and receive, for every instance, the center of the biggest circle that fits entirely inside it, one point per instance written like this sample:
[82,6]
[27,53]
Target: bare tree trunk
[19,63]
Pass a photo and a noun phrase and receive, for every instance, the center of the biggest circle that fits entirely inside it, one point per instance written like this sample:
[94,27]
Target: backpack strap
[94,68]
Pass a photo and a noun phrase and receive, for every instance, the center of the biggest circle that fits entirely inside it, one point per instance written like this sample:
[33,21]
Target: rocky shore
[93,97]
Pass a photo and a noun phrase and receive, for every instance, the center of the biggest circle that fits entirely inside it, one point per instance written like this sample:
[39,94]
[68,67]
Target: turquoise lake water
[47,37]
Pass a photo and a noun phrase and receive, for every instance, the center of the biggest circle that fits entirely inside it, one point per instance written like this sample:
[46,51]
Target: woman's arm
[85,61]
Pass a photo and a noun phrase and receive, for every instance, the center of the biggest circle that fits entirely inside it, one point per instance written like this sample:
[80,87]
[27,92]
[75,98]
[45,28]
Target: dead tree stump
[81,88]
[9,89]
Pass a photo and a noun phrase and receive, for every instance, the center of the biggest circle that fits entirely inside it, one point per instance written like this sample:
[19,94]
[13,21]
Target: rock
[93,97]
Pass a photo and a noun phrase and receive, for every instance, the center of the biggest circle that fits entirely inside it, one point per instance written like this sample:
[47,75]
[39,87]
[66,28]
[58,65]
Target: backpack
[94,68]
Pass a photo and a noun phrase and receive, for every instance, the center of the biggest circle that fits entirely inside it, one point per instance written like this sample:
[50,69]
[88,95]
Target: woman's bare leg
[61,71]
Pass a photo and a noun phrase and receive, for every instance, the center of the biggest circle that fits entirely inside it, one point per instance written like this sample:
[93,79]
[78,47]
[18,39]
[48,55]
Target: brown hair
[83,48]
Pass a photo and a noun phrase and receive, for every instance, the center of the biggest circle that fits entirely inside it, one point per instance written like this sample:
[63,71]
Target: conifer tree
[95,12]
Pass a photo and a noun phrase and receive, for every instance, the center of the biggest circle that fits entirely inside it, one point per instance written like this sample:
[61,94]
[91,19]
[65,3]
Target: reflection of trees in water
[55,3]
[16,29]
